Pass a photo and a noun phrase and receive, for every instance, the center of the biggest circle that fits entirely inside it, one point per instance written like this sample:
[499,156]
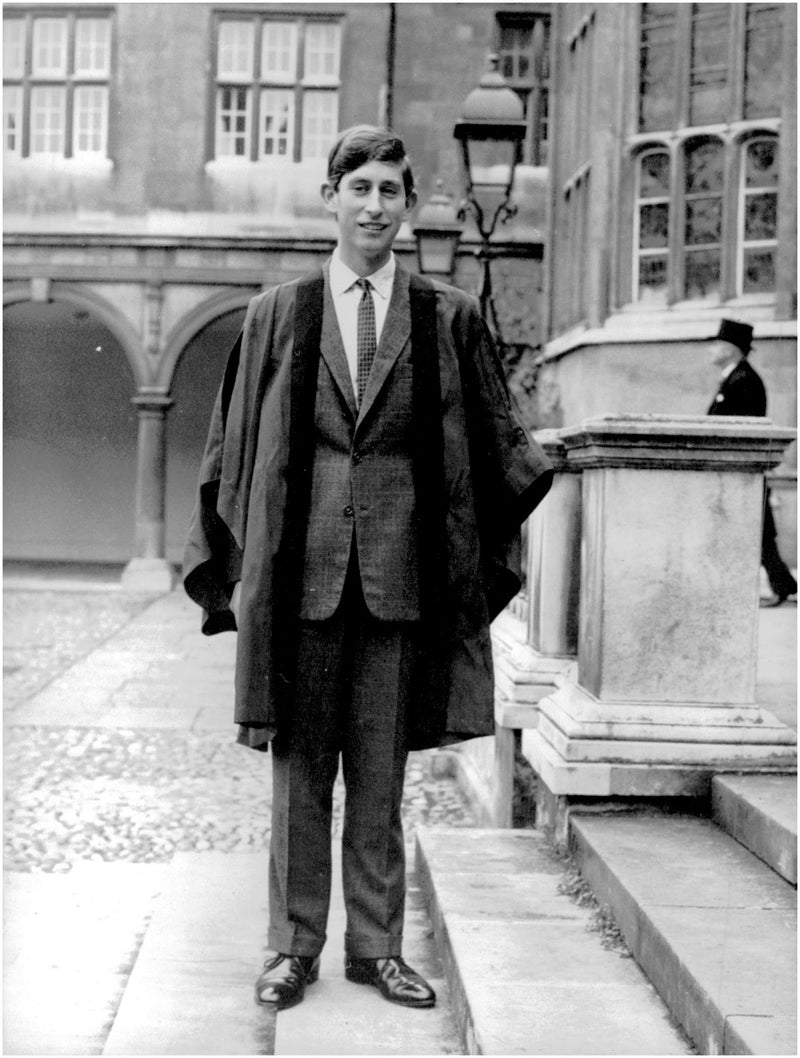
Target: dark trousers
[352,690]
[780,578]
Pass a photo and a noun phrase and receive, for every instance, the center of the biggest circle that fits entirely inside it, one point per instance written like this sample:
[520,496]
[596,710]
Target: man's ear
[329,197]
[411,201]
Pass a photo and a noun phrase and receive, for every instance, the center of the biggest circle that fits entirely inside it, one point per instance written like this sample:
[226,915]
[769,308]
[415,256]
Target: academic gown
[494,475]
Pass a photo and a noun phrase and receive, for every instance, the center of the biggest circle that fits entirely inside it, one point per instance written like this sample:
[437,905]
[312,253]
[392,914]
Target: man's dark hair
[367,143]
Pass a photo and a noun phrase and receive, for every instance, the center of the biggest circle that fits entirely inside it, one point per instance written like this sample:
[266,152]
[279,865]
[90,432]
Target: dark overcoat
[245,526]
[740,393]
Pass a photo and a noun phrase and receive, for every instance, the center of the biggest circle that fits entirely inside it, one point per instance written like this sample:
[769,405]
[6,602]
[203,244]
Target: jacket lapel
[332,350]
[394,338]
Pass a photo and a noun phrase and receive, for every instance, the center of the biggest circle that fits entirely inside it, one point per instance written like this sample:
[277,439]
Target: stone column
[149,569]
[665,689]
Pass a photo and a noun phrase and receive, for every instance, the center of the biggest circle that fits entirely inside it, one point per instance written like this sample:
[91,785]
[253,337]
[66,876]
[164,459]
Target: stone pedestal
[149,569]
[666,676]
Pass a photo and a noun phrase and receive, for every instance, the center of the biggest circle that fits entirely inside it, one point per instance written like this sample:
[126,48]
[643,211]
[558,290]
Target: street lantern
[437,230]
[490,130]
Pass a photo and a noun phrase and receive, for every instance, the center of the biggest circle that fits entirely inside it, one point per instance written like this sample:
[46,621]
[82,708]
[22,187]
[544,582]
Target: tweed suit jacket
[362,488]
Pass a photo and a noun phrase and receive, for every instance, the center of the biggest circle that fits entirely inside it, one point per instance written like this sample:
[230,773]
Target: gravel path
[82,793]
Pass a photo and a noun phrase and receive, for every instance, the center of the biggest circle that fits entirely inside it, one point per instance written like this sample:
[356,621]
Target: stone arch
[70,427]
[187,328]
[83,297]
[193,364]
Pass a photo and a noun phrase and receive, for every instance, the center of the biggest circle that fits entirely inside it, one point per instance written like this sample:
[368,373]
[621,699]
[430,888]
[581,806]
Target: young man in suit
[741,392]
[360,501]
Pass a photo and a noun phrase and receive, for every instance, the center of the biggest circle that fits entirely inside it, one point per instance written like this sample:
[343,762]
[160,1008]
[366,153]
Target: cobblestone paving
[44,632]
[98,794]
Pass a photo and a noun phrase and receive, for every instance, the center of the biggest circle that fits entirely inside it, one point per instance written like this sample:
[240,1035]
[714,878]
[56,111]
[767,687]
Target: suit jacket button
[356,458]
[348,511]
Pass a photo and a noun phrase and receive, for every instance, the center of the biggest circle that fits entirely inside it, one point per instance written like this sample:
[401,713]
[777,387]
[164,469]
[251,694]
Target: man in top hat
[741,392]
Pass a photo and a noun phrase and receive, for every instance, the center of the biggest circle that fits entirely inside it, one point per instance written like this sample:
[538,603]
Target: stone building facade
[162,166]
[672,202]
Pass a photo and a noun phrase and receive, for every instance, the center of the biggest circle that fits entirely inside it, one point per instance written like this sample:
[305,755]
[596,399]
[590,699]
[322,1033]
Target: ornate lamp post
[491,130]
[437,231]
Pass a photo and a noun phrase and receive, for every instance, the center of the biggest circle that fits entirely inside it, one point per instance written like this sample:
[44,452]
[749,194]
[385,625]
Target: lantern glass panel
[436,252]
[491,164]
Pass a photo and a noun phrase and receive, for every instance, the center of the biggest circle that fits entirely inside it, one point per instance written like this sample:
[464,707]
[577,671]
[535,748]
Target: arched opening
[69,454]
[194,389]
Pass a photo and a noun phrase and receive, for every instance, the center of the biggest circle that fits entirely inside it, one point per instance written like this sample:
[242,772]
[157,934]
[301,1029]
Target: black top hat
[738,334]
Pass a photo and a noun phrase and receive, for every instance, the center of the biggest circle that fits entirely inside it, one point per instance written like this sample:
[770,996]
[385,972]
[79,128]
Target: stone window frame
[664,41]
[55,91]
[287,87]
[533,87]
[733,143]
[690,48]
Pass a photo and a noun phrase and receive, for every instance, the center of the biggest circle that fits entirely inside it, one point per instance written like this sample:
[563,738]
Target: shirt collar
[728,369]
[342,278]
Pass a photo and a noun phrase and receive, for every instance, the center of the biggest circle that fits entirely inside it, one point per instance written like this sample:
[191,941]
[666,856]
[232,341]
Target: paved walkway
[136,839]
[136,836]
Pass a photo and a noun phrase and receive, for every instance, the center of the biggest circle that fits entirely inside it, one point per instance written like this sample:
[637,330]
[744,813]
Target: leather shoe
[283,981]
[394,979]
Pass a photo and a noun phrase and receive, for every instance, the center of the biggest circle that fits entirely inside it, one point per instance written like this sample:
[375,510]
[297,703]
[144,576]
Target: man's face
[724,353]
[370,204]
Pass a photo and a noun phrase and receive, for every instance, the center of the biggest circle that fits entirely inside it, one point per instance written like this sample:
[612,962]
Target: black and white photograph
[399,528]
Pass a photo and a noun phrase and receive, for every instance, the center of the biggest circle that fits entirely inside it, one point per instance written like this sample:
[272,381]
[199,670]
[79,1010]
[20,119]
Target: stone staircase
[707,907]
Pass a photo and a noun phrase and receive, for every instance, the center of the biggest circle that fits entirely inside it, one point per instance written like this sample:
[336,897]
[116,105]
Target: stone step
[191,988]
[760,811]
[525,974]
[712,926]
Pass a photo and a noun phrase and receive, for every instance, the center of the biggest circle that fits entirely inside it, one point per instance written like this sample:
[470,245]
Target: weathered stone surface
[713,927]
[525,974]
[760,811]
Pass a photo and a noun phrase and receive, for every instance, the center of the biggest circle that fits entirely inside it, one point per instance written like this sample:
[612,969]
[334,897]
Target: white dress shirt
[346,296]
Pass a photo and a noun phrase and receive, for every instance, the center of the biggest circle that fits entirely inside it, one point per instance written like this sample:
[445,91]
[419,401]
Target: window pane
[235,54]
[279,51]
[322,51]
[763,60]
[50,46]
[277,124]
[761,164]
[657,67]
[704,168]
[233,123]
[47,120]
[92,46]
[320,123]
[654,176]
[90,121]
[653,225]
[12,119]
[703,221]
[653,279]
[708,84]
[523,50]
[761,216]
[702,273]
[13,47]
[759,271]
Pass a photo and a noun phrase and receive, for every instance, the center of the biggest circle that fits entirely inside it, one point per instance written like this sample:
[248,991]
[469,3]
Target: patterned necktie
[367,340]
